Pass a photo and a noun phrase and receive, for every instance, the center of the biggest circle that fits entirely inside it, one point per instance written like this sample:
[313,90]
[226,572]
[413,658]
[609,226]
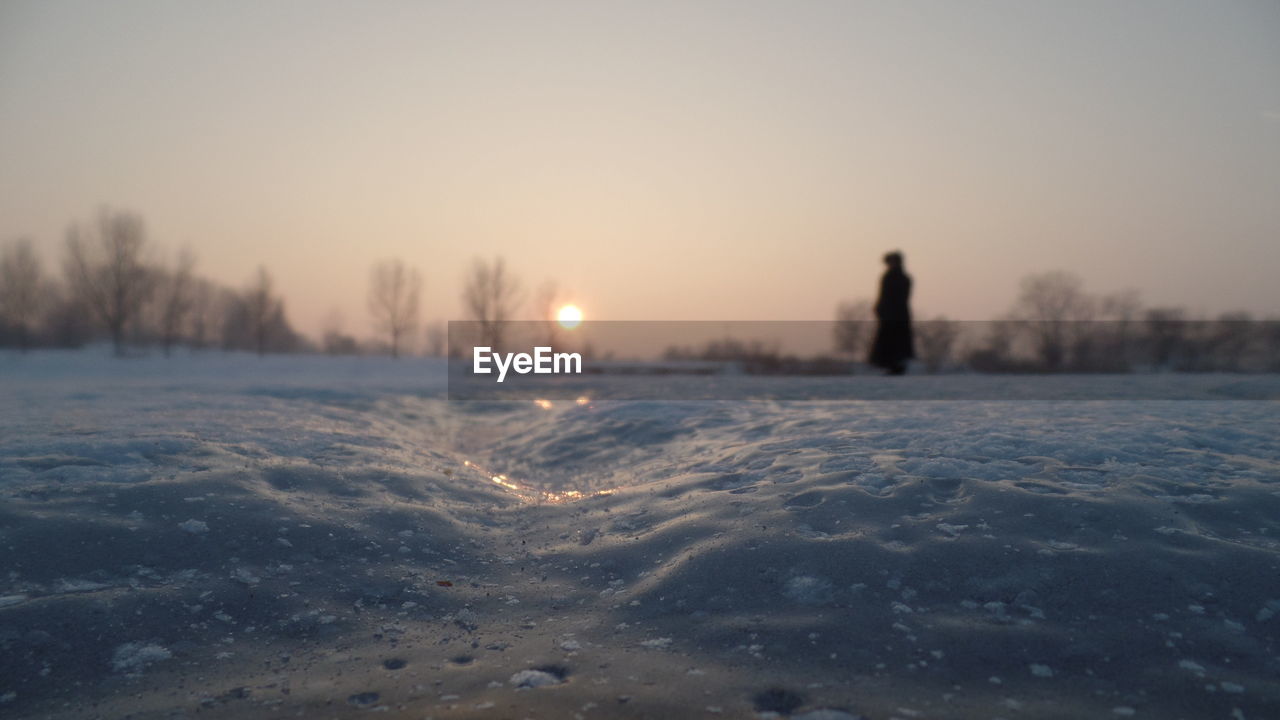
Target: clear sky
[662,160]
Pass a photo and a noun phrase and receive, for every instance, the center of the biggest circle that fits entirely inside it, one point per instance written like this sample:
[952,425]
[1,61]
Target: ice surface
[245,537]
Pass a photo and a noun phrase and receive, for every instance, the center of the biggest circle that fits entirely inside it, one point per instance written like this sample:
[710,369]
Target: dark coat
[893,343]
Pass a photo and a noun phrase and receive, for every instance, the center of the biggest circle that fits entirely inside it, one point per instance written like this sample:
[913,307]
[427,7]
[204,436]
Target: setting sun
[569,317]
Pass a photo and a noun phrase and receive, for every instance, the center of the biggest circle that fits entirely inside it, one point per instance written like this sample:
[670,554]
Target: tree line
[115,285]
[1055,325]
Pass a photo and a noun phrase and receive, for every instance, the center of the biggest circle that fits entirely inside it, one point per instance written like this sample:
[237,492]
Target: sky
[692,160]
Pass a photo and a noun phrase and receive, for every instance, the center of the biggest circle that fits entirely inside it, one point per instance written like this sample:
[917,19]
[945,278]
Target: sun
[569,317]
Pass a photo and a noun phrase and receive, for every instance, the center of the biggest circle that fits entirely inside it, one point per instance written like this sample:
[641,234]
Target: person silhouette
[893,344]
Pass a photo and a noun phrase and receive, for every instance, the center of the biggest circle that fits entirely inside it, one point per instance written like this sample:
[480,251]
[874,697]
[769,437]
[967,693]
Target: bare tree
[254,319]
[546,303]
[1270,340]
[436,339]
[177,298]
[1053,306]
[1167,335]
[105,268]
[994,351]
[393,300]
[333,339]
[1114,345]
[261,308]
[491,297]
[935,338]
[21,288]
[853,327]
[67,323]
[204,312]
[1230,337]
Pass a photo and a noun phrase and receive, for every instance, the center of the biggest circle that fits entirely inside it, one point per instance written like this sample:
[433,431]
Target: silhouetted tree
[1113,347]
[176,299]
[67,322]
[1166,335]
[994,351]
[340,344]
[393,300]
[105,268]
[333,340]
[1052,306]
[1270,341]
[547,302]
[853,328]
[21,289]
[935,339]
[205,311]
[260,307]
[491,297]
[436,339]
[1230,337]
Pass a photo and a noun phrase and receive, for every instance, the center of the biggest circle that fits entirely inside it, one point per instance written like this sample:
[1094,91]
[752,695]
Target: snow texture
[251,537]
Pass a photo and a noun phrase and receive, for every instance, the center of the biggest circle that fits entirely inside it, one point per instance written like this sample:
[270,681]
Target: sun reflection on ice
[531,494]
[545,404]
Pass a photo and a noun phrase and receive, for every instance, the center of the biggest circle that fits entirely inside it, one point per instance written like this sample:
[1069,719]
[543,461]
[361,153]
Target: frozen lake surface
[224,536]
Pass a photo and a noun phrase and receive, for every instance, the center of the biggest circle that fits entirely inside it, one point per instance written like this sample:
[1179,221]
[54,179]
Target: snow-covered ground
[229,536]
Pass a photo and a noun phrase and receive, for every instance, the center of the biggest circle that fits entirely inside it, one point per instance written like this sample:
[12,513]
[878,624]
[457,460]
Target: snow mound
[134,657]
[534,679]
[195,527]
